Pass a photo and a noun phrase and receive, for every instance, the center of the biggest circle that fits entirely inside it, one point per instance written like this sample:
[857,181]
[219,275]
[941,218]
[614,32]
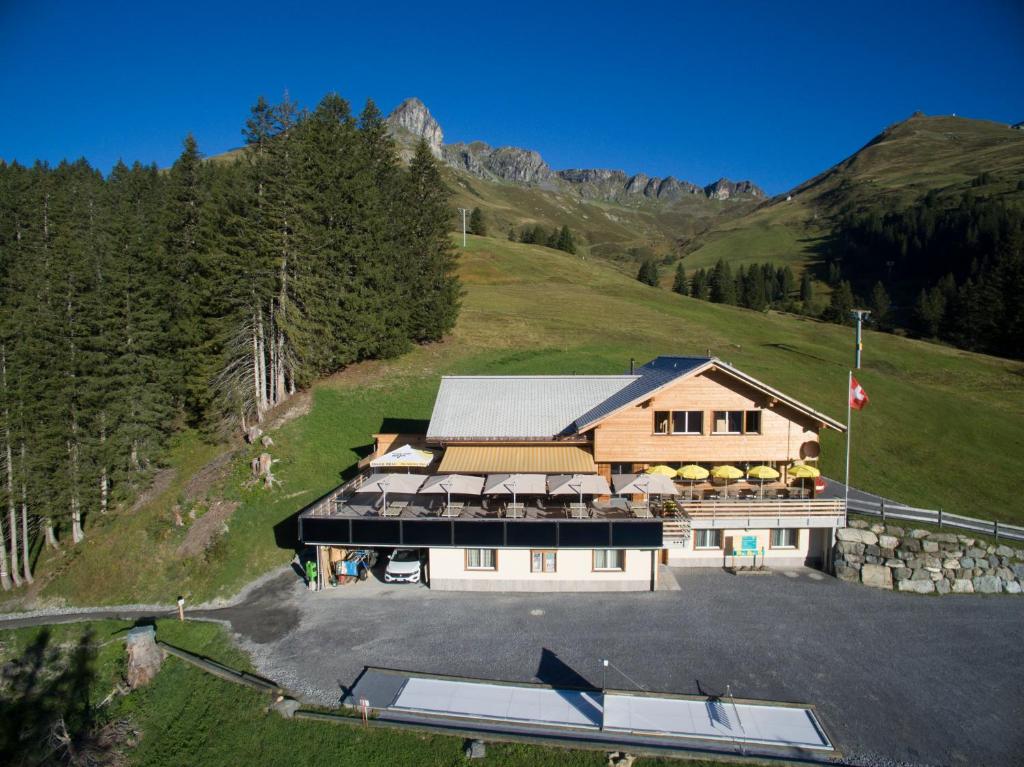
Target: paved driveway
[922,680]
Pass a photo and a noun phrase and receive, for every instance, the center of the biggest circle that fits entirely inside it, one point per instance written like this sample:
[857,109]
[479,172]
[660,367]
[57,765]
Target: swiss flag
[858,397]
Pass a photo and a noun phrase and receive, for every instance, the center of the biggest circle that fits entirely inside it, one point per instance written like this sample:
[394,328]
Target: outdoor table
[395,508]
[515,510]
[640,509]
[453,509]
[578,510]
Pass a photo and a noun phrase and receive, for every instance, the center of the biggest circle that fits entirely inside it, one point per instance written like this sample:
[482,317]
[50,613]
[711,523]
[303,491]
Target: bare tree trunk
[255,372]
[12,528]
[104,479]
[25,561]
[261,361]
[272,371]
[5,574]
[50,536]
[77,534]
[12,520]
[279,381]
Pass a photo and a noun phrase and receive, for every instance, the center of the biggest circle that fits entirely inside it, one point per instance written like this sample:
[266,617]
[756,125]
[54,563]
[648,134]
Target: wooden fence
[889,510]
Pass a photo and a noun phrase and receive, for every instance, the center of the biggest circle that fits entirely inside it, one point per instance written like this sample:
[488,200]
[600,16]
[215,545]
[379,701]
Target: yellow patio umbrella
[762,473]
[662,469]
[802,471]
[693,473]
[726,472]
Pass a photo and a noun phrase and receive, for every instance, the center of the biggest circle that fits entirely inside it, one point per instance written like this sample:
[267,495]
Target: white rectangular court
[674,717]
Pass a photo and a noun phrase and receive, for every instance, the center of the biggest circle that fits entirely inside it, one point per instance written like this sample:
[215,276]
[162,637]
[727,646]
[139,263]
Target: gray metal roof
[651,376]
[544,407]
[517,407]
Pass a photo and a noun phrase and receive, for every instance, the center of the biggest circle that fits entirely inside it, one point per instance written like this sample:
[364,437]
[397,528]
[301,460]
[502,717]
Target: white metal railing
[886,509]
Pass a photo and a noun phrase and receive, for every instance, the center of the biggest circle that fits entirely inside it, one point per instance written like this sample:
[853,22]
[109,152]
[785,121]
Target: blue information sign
[748,544]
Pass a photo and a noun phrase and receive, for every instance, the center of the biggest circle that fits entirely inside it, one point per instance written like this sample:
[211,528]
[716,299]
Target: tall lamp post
[464,212]
[859,315]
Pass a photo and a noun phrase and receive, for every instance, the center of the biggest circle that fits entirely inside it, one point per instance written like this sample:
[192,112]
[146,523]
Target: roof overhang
[718,365]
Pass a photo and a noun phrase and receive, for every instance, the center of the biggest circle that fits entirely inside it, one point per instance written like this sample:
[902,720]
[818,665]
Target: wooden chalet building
[492,435]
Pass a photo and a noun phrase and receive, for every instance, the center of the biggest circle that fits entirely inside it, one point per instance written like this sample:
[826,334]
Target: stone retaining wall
[919,561]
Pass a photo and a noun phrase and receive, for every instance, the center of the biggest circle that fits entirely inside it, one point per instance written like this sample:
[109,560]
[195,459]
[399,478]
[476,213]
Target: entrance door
[817,546]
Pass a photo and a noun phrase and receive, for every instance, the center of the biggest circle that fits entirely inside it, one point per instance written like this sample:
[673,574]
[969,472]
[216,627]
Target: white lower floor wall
[542,570]
[790,547]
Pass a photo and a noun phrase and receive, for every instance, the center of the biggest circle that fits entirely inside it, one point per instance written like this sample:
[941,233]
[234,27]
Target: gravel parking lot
[896,678]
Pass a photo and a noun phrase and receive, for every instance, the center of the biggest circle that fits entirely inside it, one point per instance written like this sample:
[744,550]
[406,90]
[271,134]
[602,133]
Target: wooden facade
[784,434]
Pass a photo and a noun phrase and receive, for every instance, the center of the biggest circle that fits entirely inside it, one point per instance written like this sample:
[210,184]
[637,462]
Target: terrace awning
[518,459]
[647,484]
[455,484]
[510,484]
[578,484]
[404,457]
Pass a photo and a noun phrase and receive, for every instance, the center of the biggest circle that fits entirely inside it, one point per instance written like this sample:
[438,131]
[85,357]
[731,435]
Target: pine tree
[786,284]
[722,284]
[679,282]
[477,223]
[841,304]
[880,307]
[435,303]
[566,241]
[807,292]
[699,286]
[929,310]
[648,273]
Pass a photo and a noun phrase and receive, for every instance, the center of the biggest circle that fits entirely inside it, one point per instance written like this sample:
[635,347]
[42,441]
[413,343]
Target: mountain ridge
[411,121]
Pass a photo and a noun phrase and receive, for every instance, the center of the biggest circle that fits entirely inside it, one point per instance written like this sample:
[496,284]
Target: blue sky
[774,92]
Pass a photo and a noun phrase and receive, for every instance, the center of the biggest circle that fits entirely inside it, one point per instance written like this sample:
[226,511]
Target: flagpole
[849,422]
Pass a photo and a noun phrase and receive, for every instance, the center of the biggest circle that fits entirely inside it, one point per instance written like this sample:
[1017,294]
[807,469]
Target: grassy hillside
[896,167]
[604,229]
[945,428]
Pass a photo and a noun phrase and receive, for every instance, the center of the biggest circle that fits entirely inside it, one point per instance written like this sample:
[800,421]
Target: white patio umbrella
[511,484]
[404,457]
[460,484]
[397,483]
[658,484]
[567,484]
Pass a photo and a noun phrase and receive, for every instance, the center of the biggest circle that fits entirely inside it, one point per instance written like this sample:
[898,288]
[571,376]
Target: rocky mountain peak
[724,189]
[413,119]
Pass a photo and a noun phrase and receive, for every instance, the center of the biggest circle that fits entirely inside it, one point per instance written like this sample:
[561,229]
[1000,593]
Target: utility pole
[464,212]
[859,315]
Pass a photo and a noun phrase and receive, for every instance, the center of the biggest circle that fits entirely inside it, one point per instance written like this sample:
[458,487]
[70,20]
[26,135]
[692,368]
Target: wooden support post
[181,609]
[995,530]
[940,517]
[883,510]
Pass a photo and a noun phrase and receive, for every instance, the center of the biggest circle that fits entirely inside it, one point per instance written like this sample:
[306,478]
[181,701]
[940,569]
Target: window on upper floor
[728,422]
[661,421]
[737,422]
[688,422]
[752,422]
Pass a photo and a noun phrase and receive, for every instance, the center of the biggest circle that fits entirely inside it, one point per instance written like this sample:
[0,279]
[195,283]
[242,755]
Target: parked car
[403,566]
